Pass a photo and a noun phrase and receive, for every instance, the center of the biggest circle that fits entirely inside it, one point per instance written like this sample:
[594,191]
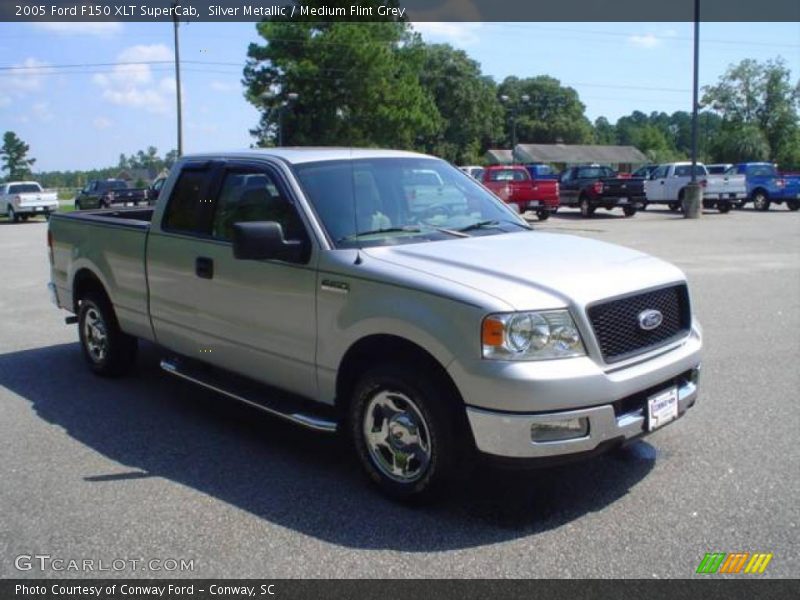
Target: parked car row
[590,187]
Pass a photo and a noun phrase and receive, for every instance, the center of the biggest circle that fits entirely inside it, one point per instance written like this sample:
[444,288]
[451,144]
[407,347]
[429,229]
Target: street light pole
[693,198]
[514,111]
[290,97]
[178,78]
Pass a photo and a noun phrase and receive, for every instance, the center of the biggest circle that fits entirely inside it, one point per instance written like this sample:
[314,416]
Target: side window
[190,209]
[254,195]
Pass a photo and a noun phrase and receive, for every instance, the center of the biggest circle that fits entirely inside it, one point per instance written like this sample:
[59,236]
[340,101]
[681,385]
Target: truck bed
[112,243]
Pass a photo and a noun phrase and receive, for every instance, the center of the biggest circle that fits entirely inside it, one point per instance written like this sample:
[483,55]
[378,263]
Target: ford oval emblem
[650,319]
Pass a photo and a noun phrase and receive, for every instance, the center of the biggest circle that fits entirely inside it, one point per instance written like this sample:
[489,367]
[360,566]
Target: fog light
[553,431]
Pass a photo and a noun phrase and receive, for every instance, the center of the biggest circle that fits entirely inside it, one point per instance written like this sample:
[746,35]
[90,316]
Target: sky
[81,117]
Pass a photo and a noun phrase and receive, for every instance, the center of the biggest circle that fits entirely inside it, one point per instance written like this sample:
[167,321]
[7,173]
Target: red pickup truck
[515,186]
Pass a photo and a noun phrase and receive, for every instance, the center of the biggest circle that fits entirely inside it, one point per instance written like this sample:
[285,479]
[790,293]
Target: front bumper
[36,209]
[508,435]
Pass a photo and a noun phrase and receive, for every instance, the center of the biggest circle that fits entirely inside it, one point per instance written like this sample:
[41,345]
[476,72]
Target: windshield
[24,188]
[113,184]
[385,201]
[508,175]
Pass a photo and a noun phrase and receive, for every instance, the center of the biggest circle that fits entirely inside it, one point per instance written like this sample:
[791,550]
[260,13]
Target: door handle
[204,267]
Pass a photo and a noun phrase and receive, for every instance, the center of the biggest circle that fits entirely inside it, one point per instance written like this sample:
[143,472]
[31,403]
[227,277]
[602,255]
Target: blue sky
[84,117]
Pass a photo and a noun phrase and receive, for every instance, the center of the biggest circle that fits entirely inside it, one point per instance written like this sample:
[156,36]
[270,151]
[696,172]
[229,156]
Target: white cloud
[101,122]
[462,34]
[648,40]
[26,76]
[98,29]
[224,86]
[132,83]
[41,112]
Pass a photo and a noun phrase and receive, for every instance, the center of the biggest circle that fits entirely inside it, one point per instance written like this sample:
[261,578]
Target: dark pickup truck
[591,187]
[103,193]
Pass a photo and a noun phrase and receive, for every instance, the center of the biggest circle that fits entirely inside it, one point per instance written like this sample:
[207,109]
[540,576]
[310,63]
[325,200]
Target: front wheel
[543,215]
[404,432]
[107,349]
[12,214]
[793,205]
[629,211]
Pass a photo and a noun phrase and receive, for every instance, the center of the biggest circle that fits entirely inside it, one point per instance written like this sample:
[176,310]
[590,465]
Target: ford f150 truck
[104,193]
[515,186]
[590,187]
[766,186]
[23,199]
[386,314]
[667,185]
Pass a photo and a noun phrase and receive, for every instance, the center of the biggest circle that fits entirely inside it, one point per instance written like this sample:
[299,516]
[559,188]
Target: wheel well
[376,349]
[84,282]
[759,190]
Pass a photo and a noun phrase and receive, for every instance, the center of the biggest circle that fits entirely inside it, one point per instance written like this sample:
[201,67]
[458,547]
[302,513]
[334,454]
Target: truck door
[568,188]
[656,187]
[256,318]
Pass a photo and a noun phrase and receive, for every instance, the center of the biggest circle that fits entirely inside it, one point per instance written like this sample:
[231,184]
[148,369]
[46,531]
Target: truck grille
[616,322]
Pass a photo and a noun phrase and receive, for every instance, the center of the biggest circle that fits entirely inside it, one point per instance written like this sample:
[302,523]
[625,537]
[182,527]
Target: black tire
[793,205]
[543,215]
[674,206]
[629,211]
[439,426]
[760,201]
[724,207]
[643,206]
[12,215]
[96,322]
[77,204]
[587,210]
[26,217]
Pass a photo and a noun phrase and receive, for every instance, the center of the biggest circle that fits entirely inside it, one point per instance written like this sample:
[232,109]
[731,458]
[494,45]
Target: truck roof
[306,154]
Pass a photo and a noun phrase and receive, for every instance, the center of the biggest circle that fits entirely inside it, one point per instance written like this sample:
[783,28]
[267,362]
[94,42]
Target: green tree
[14,153]
[604,132]
[466,101]
[553,113]
[356,83]
[741,142]
[760,95]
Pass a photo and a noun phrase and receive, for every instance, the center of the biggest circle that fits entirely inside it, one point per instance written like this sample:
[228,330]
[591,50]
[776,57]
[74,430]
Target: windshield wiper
[489,223]
[377,231]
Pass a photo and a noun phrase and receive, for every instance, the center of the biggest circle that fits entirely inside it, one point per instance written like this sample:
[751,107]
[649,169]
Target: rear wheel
[587,210]
[77,204]
[543,214]
[724,207]
[674,206]
[12,214]
[793,205]
[760,201]
[107,349]
[404,431]
[629,210]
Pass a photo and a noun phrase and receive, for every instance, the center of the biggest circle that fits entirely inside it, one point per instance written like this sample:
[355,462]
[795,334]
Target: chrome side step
[246,392]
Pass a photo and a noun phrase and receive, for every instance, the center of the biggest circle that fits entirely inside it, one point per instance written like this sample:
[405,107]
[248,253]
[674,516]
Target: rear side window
[24,188]
[190,209]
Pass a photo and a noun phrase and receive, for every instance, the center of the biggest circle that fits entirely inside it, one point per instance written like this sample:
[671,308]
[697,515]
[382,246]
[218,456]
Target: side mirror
[263,240]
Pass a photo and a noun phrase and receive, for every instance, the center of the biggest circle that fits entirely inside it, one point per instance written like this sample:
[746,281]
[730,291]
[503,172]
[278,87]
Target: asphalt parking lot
[150,467]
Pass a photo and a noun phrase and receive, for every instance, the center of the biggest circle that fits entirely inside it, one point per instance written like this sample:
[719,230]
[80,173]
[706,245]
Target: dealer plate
[533,203]
[662,408]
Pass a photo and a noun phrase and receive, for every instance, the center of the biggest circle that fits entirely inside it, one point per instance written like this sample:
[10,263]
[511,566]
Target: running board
[248,392]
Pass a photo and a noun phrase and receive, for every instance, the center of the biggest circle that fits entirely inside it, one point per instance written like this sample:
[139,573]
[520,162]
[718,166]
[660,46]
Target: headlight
[531,336]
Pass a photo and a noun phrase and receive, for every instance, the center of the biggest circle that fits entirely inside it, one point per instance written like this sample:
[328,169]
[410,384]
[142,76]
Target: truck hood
[534,270]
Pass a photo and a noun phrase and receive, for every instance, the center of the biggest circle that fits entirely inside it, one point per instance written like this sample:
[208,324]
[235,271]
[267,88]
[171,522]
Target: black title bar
[412,10]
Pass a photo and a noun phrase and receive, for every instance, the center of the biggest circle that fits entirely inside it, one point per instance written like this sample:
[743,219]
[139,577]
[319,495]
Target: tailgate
[623,188]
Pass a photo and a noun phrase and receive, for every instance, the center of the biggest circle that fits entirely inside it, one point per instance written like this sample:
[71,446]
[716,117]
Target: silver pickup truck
[322,286]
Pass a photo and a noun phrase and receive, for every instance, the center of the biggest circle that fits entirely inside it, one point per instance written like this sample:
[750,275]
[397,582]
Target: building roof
[498,156]
[578,153]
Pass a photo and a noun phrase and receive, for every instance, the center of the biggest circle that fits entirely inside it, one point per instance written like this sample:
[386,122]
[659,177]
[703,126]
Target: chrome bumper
[509,434]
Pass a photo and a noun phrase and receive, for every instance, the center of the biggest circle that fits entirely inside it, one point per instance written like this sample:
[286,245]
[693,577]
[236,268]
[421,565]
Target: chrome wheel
[95,335]
[397,436]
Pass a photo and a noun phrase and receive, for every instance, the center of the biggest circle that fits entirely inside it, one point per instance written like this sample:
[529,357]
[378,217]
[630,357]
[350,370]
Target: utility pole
[514,111]
[693,203]
[178,78]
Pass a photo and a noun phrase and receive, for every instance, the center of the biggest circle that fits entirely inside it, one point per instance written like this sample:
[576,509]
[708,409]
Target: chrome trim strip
[297,418]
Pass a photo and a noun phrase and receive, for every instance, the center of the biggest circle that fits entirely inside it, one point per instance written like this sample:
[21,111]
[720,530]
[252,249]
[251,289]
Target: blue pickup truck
[766,186]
